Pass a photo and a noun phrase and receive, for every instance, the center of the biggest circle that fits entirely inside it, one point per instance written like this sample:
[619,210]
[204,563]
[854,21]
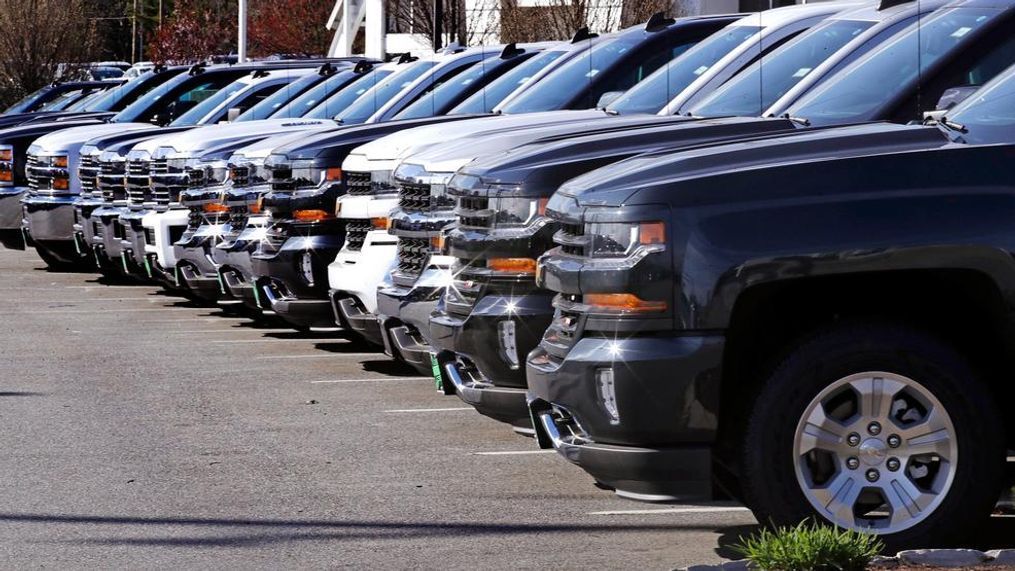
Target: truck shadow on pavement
[285,530]
[998,533]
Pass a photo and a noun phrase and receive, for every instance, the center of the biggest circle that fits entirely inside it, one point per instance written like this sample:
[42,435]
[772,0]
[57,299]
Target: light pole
[241,51]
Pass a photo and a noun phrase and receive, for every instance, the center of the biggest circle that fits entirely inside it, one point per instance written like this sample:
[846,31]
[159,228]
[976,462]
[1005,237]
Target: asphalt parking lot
[140,430]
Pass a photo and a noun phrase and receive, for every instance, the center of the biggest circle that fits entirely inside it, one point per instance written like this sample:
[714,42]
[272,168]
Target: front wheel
[878,428]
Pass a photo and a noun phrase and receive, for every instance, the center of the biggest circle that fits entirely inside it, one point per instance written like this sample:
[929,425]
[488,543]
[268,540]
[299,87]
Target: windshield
[83,103]
[26,101]
[655,92]
[989,115]
[860,90]
[209,100]
[311,98]
[374,98]
[486,99]
[142,105]
[755,89]
[61,101]
[556,89]
[338,102]
[272,104]
[438,98]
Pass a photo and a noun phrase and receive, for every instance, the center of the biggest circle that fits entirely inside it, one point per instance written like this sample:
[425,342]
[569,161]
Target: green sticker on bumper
[257,298]
[123,258]
[222,283]
[435,366]
[148,267]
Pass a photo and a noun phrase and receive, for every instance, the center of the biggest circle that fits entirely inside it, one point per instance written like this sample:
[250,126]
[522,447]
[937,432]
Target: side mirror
[233,113]
[607,98]
[953,96]
[163,117]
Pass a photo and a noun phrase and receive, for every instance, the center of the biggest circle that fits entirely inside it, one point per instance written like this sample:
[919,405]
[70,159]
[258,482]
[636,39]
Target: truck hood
[122,143]
[34,130]
[332,144]
[408,142]
[449,156]
[73,138]
[195,141]
[261,148]
[645,179]
[542,165]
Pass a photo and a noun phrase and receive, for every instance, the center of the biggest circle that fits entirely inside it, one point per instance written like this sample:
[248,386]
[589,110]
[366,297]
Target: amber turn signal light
[333,174]
[7,155]
[652,233]
[6,176]
[61,184]
[380,223]
[514,265]
[215,208]
[310,215]
[622,302]
[437,243]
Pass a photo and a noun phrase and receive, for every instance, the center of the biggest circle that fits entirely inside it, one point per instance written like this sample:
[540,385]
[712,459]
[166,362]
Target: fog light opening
[508,342]
[608,394]
[307,268]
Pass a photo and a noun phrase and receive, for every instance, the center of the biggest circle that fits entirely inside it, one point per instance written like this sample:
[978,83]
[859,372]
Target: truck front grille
[139,182]
[88,173]
[357,183]
[473,212]
[414,197]
[110,183]
[356,231]
[413,254]
[567,235]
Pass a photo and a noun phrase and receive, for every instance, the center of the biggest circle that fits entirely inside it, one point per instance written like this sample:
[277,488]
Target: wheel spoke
[931,436]
[875,396]
[821,432]
[906,500]
[838,499]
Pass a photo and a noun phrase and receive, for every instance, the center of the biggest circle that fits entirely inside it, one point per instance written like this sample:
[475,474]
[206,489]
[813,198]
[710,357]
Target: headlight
[178,164]
[216,172]
[308,172]
[516,212]
[382,182]
[616,240]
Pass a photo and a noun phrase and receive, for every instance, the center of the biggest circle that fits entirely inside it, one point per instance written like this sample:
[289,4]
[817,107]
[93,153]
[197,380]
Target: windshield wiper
[802,121]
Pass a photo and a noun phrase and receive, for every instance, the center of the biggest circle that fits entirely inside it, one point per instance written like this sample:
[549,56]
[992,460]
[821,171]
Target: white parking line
[399,410]
[322,355]
[76,300]
[96,286]
[514,452]
[694,510]
[369,380]
[124,310]
[273,340]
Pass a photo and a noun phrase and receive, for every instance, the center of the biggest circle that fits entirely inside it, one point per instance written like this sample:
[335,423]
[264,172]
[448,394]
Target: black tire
[768,478]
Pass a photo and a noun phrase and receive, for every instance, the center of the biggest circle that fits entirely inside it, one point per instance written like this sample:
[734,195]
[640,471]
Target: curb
[939,558]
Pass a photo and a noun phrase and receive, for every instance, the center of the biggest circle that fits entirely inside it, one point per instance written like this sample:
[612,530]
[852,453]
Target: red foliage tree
[293,27]
[195,31]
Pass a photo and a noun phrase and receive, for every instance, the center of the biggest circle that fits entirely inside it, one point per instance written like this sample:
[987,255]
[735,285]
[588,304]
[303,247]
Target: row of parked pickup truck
[766,256]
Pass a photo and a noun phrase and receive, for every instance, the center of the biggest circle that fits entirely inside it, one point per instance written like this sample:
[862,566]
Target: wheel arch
[964,306]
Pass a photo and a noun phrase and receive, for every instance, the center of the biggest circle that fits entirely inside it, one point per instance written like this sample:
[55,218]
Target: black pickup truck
[818,324]
[501,229]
